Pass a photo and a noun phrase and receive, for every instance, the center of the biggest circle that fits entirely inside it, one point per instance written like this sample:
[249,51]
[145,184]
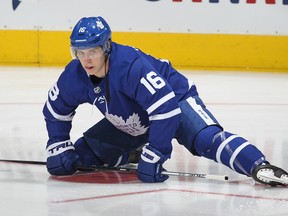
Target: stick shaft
[126,169]
[196,175]
[79,168]
[170,173]
[23,161]
[104,168]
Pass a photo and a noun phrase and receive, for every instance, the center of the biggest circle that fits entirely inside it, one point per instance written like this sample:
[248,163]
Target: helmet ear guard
[107,47]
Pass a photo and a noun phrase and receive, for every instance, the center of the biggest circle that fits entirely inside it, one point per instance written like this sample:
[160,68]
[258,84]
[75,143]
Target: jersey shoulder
[123,55]
[121,62]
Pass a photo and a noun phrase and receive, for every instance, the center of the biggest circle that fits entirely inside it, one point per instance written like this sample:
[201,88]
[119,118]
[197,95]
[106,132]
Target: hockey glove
[61,158]
[150,165]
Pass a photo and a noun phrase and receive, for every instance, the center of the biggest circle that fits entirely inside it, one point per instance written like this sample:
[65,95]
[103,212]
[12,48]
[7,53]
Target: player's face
[93,61]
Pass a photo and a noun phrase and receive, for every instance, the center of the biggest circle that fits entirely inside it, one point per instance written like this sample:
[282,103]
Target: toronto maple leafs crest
[131,126]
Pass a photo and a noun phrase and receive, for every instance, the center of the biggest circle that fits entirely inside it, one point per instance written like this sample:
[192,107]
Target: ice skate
[271,175]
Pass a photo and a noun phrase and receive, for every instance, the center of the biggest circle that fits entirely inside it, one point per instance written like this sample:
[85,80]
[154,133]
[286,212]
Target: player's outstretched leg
[238,154]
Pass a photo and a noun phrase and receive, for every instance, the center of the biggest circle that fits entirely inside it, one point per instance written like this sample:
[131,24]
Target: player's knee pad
[229,149]
[203,142]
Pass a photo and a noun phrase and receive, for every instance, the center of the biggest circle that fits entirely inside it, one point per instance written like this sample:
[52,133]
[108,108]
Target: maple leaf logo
[131,126]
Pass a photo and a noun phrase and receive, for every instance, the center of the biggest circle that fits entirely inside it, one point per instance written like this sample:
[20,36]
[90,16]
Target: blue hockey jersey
[139,94]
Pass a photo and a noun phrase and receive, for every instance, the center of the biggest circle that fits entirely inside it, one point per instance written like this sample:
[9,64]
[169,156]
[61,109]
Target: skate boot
[269,174]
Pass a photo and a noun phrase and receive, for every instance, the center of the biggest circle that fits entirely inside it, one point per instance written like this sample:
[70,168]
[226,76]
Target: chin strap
[107,79]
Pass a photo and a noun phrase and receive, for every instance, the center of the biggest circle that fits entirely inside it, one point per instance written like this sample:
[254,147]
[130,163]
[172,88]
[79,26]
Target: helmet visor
[84,52]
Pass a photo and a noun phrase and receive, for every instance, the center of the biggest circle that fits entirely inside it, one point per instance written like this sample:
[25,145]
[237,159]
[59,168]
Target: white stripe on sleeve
[165,115]
[160,102]
[68,117]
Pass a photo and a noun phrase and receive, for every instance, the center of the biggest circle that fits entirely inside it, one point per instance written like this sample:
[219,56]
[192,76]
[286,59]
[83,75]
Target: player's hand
[150,165]
[62,159]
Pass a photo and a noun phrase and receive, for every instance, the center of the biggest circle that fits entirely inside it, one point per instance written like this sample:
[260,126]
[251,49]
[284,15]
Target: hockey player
[145,102]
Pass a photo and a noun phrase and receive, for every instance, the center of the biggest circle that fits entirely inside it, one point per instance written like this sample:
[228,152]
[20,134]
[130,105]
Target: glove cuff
[151,155]
[59,147]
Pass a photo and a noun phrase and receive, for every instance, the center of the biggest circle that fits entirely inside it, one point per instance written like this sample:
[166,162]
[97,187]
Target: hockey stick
[170,173]
[127,169]
[23,162]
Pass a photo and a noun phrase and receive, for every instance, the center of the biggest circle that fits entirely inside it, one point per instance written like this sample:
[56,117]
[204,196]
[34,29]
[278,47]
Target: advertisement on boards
[181,16]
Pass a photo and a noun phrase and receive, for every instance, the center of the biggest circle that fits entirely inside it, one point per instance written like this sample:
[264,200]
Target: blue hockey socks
[229,149]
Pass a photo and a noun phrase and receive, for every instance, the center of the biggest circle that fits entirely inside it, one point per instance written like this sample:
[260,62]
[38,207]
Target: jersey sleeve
[59,111]
[152,91]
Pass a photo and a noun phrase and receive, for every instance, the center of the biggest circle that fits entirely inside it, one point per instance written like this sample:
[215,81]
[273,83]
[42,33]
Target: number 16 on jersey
[152,81]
